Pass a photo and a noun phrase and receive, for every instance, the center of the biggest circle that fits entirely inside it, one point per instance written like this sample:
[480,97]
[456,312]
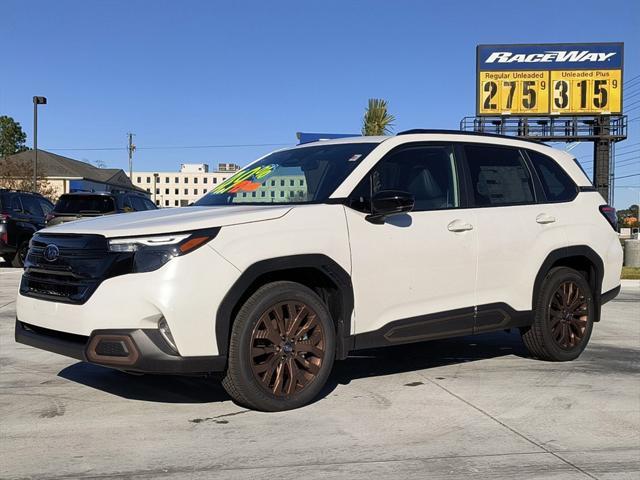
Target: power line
[627,146]
[634,94]
[632,79]
[627,153]
[217,146]
[627,161]
[173,147]
[627,176]
[632,162]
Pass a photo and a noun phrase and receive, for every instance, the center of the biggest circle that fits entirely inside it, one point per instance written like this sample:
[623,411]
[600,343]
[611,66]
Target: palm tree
[377,120]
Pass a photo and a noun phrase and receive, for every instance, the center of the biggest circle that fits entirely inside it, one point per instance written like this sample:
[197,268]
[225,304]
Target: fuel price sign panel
[549,79]
[514,93]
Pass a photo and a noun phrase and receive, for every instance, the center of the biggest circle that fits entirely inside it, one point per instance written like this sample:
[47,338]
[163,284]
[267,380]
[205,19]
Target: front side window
[428,172]
[124,203]
[499,176]
[557,185]
[138,204]
[321,168]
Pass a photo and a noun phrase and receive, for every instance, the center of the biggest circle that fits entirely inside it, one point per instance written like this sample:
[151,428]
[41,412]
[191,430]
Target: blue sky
[195,73]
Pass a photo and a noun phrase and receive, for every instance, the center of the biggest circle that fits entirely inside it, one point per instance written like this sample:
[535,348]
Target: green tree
[377,120]
[12,138]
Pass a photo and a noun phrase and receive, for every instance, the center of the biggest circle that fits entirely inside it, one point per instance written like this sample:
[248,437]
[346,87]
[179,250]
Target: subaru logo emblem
[51,253]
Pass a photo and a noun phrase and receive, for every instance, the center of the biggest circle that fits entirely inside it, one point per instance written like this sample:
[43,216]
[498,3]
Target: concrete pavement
[468,407]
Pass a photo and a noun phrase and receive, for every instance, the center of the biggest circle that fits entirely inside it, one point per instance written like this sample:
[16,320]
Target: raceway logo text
[550,56]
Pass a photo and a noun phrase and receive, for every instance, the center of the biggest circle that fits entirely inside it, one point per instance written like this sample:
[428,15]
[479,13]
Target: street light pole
[36,101]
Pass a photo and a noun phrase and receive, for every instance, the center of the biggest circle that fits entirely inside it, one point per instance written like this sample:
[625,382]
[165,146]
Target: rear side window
[46,206]
[85,204]
[499,176]
[16,204]
[31,206]
[557,185]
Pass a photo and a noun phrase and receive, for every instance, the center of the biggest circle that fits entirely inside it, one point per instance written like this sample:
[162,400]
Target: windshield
[85,204]
[299,175]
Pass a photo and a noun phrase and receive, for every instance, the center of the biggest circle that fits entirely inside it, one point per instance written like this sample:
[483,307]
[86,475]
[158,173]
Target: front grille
[83,262]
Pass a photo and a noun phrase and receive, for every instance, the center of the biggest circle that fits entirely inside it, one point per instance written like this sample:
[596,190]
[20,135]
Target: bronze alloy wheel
[287,348]
[568,315]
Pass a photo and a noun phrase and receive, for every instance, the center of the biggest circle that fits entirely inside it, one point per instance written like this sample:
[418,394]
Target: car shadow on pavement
[366,363]
[426,355]
[150,388]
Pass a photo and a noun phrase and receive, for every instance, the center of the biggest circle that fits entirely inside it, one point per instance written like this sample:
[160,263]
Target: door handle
[544,218]
[459,226]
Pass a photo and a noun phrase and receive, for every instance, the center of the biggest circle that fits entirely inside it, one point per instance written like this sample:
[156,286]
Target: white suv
[316,251]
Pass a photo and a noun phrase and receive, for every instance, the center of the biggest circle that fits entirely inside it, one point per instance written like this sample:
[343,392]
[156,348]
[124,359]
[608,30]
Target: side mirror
[389,202]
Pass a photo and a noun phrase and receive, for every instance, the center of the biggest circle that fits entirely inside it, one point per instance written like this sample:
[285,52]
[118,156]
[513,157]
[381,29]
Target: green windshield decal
[245,180]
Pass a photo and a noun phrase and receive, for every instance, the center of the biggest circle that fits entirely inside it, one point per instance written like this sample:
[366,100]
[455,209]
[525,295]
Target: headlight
[150,253]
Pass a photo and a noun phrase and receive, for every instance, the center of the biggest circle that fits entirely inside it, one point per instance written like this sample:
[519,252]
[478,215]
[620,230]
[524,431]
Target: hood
[170,220]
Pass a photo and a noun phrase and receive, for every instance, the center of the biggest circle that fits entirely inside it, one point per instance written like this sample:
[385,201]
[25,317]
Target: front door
[414,275]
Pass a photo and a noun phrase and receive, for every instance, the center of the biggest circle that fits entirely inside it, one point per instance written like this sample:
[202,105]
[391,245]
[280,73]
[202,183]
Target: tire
[563,317]
[268,373]
[21,255]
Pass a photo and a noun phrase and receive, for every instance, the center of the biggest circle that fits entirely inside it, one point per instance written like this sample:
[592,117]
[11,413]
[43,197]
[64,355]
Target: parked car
[21,215]
[317,251]
[77,205]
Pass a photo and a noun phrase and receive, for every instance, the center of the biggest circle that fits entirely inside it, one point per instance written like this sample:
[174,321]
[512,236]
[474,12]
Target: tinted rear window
[499,176]
[557,185]
[85,204]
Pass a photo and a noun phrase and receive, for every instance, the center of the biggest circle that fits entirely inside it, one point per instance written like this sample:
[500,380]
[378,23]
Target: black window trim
[460,173]
[543,195]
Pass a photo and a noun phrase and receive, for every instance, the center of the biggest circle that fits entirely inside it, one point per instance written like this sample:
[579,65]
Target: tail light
[4,235]
[610,214]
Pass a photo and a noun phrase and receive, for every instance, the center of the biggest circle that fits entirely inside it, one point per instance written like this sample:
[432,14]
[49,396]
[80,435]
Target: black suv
[21,215]
[73,206]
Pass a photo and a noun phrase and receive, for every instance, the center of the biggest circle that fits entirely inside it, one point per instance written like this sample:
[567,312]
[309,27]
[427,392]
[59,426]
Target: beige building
[179,189]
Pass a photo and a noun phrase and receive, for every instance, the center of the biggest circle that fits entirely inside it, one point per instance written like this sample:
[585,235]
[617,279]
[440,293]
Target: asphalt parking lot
[469,407]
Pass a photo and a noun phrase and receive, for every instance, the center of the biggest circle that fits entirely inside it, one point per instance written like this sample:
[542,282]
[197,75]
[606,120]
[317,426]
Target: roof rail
[462,132]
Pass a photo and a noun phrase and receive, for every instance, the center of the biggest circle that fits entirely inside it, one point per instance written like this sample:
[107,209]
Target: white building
[179,189]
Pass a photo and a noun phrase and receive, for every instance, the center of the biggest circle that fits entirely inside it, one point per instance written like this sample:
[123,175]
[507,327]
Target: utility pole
[131,148]
[155,187]
[36,101]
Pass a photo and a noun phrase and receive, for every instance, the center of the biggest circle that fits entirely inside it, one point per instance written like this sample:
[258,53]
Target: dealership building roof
[81,175]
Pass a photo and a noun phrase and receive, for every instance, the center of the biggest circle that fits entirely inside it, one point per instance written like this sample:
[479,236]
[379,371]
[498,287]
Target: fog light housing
[165,331]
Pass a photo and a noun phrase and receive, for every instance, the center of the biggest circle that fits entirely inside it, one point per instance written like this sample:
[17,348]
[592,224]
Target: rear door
[515,229]
[31,207]
[413,275]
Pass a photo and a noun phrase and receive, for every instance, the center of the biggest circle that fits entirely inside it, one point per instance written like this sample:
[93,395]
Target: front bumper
[145,350]
[186,292]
